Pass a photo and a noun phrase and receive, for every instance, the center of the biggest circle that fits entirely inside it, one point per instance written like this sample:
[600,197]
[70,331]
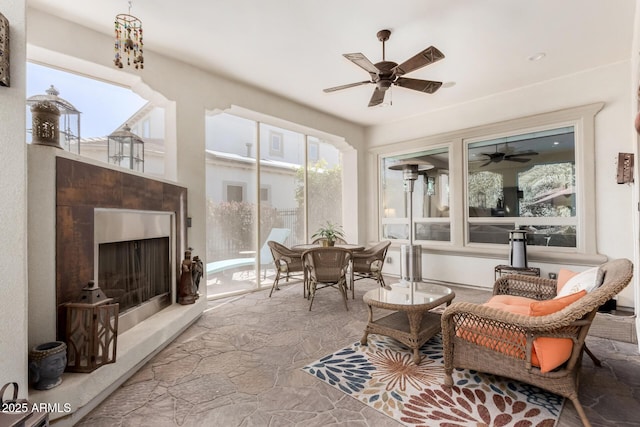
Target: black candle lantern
[518,248]
[92,330]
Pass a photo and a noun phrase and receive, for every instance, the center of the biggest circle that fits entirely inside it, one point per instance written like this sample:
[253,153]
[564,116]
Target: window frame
[521,220]
[582,118]
[241,185]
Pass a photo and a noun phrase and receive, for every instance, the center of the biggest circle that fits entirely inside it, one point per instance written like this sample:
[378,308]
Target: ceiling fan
[499,156]
[386,73]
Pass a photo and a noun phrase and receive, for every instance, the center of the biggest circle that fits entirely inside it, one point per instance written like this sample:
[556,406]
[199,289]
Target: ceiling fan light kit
[385,73]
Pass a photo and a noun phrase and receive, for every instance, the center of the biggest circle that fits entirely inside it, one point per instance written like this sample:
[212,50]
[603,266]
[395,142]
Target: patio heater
[411,255]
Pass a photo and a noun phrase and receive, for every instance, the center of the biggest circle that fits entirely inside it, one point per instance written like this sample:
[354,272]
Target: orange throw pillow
[542,308]
[552,352]
[563,277]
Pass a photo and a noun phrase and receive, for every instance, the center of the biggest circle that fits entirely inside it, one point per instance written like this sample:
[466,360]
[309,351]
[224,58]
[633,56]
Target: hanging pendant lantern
[128,44]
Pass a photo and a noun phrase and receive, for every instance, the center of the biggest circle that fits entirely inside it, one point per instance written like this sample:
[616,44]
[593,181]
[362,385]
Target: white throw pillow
[587,280]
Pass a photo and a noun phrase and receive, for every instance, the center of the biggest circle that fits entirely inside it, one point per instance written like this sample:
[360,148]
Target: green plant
[330,232]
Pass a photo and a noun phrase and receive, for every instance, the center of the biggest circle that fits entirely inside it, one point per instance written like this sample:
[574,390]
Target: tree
[325,193]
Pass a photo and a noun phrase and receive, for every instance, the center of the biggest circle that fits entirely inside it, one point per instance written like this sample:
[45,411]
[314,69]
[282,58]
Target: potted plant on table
[329,232]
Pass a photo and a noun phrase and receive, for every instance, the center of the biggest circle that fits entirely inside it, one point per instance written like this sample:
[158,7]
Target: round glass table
[413,322]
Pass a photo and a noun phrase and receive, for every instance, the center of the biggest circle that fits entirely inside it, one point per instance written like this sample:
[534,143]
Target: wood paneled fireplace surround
[80,189]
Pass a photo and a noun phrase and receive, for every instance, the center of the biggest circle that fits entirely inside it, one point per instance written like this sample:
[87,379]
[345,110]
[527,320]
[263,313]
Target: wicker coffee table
[412,323]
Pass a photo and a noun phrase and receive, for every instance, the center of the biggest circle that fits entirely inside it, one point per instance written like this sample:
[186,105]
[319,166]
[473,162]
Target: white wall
[13,215]
[615,215]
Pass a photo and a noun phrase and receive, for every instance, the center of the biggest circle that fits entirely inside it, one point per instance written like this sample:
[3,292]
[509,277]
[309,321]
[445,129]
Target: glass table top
[401,294]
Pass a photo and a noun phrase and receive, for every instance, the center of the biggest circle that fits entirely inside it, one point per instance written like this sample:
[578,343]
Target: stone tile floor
[239,365]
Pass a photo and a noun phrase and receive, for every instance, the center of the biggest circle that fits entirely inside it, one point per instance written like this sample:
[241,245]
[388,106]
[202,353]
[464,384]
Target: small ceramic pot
[46,364]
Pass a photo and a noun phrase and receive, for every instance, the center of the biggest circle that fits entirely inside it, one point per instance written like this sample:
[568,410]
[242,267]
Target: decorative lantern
[45,119]
[92,330]
[126,149]
[518,248]
[67,121]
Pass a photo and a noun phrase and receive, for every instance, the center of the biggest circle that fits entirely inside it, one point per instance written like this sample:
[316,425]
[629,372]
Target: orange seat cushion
[553,352]
[511,300]
[547,353]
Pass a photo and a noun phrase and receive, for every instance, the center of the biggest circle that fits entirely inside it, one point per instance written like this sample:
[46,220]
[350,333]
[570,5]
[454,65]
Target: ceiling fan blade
[377,97]
[426,86]
[426,57]
[347,86]
[363,62]
[517,159]
[486,163]
[524,153]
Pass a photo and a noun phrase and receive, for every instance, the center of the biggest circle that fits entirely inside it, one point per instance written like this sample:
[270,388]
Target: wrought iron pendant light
[128,44]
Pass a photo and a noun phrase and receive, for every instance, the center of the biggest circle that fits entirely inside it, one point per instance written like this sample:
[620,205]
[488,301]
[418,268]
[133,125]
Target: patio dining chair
[287,262]
[326,267]
[368,264]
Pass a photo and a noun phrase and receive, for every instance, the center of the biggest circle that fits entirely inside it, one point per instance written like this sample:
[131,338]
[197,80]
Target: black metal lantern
[126,149]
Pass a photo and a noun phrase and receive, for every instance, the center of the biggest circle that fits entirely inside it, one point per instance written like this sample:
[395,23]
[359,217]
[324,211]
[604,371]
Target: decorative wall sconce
[4,52]
[625,168]
[92,330]
[128,32]
[126,149]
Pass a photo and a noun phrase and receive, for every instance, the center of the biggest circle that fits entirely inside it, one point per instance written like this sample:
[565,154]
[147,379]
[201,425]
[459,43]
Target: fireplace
[133,261]
[98,209]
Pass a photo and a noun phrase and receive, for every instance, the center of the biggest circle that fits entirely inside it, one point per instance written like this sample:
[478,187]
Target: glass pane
[528,176]
[433,231]
[231,203]
[551,235]
[523,175]
[281,167]
[324,180]
[430,196]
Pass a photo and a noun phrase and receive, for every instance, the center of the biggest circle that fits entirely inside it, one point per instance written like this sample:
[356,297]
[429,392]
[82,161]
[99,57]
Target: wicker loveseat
[487,338]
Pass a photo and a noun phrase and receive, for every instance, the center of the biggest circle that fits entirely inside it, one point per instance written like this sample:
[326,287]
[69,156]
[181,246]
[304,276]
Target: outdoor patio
[239,364]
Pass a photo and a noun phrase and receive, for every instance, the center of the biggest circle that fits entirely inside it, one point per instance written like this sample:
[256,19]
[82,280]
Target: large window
[430,198]
[523,181]
[264,182]
[534,173]
[104,108]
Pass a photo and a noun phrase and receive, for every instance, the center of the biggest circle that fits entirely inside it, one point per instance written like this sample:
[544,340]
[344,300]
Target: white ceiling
[294,48]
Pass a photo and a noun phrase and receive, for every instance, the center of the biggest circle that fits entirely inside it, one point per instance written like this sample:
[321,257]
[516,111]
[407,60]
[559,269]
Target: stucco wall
[13,215]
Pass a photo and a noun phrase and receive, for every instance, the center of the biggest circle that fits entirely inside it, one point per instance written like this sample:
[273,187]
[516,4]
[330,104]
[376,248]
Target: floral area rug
[383,376]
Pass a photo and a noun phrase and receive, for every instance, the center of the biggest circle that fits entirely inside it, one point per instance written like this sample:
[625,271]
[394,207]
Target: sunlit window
[430,198]
[525,181]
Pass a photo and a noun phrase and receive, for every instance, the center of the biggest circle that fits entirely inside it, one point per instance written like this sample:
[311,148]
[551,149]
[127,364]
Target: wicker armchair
[286,262]
[511,335]
[368,264]
[326,267]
